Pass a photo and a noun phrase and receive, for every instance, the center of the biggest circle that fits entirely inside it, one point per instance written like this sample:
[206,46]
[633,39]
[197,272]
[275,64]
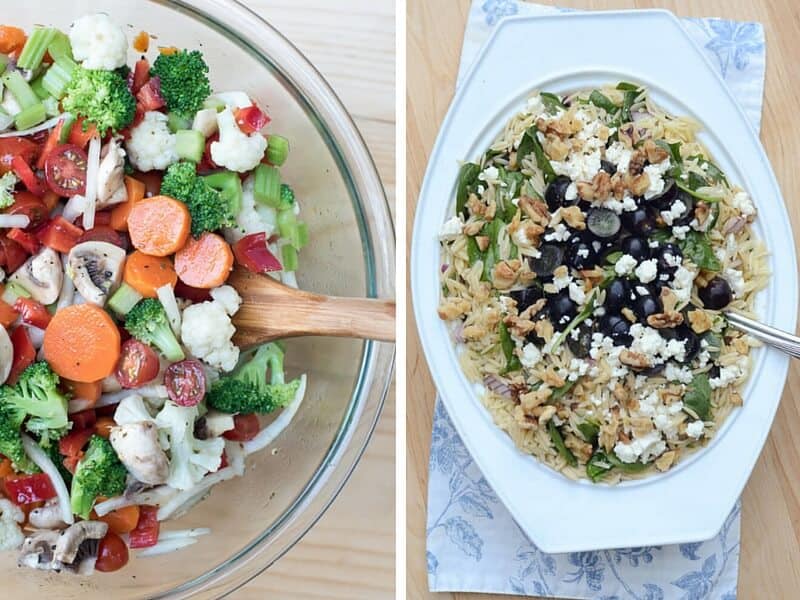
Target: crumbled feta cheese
[571,193]
[744,203]
[627,204]
[647,270]
[530,356]
[577,368]
[561,282]
[489,175]
[560,233]
[578,166]
[583,252]
[625,265]
[680,374]
[649,343]
[655,175]
[641,290]
[618,154]
[645,448]
[695,429]
[451,229]
[576,293]
[675,212]
[728,375]
[682,283]
[671,259]
[535,106]
[736,280]
[680,231]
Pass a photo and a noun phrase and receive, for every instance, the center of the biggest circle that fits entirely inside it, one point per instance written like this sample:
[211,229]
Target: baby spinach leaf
[558,442]
[507,345]
[600,100]
[713,173]
[598,466]
[627,87]
[530,143]
[552,103]
[467,178]
[490,257]
[473,252]
[628,99]
[697,398]
[674,150]
[589,430]
[697,248]
[634,467]
[562,391]
[613,257]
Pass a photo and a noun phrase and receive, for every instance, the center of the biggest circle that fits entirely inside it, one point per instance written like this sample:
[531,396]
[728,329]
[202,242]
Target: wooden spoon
[271,311]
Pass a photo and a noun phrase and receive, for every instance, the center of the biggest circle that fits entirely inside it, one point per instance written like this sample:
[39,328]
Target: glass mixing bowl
[256,518]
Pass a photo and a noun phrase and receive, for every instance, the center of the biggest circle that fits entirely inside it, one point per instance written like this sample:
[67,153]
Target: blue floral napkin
[473,542]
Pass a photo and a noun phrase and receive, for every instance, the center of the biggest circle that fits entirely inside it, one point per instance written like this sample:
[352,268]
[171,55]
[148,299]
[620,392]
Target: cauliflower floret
[11,536]
[152,144]
[236,150]
[206,329]
[253,217]
[132,409]
[190,458]
[98,42]
[205,121]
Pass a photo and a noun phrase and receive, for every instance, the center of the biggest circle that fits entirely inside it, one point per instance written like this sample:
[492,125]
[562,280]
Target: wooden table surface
[771,503]
[350,552]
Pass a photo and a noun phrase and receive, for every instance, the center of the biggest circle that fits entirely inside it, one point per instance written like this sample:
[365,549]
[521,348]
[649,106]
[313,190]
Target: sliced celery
[302,234]
[51,107]
[57,77]
[30,117]
[267,188]
[60,47]
[190,144]
[20,89]
[3,63]
[176,123]
[288,228]
[229,186]
[277,150]
[124,299]
[34,49]
[66,128]
[13,291]
[37,85]
[289,256]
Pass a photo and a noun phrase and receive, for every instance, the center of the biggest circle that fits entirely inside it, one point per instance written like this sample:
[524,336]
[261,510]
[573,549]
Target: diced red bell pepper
[27,240]
[251,119]
[78,136]
[139,76]
[149,96]
[72,444]
[33,312]
[146,532]
[59,234]
[252,253]
[12,255]
[27,176]
[24,354]
[7,314]
[53,140]
[29,488]
[84,419]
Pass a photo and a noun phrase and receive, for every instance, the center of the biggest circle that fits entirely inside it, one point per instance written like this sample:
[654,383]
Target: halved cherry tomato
[12,255]
[252,253]
[251,119]
[65,168]
[151,180]
[138,364]
[101,217]
[26,203]
[15,146]
[245,428]
[104,426]
[27,176]
[27,240]
[112,554]
[72,444]
[33,312]
[103,233]
[59,234]
[149,95]
[24,353]
[29,488]
[185,382]
[146,532]
[188,292]
[50,200]
[122,520]
[53,140]
[140,75]
[84,419]
[78,137]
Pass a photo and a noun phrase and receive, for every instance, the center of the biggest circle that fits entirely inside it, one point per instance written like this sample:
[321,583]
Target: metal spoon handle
[776,338]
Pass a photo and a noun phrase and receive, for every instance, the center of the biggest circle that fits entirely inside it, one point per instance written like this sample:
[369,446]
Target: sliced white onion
[266,436]
[288,278]
[154,497]
[73,208]
[78,404]
[38,456]
[92,168]
[166,547]
[236,456]
[174,505]
[11,221]
[44,126]
[36,336]
[166,295]
[146,391]
[183,533]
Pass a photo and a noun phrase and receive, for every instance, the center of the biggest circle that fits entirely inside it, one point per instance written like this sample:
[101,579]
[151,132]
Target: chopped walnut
[599,189]
[700,320]
[505,272]
[618,186]
[534,398]
[638,158]
[581,450]
[518,326]
[670,394]
[736,399]
[654,152]
[553,379]
[620,393]
[473,227]
[574,217]
[544,329]
[536,210]
[479,208]
[563,126]
[633,359]
[628,314]
[533,309]
[701,212]
[608,433]
[592,277]
[665,320]
[474,332]
[530,233]
[544,413]
[453,308]
[740,345]
[641,426]
[523,420]
[483,242]
[637,184]
[666,460]
[555,147]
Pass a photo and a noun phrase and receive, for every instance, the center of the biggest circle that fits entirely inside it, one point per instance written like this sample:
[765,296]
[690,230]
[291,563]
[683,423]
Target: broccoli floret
[10,439]
[102,97]
[36,394]
[206,207]
[287,196]
[184,81]
[99,473]
[147,321]
[7,184]
[247,389]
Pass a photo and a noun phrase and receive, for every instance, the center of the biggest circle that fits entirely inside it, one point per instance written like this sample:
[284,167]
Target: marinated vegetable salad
[127,195]
[594,246]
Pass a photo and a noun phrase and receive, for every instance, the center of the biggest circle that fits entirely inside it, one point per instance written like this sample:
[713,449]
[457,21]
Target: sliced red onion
[498,386]
[444,267]
[458,333]
[734,225]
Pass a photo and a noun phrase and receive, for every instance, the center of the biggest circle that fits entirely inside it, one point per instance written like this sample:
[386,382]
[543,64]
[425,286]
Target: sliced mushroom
[111,176]
[213,424]
[10,517]
[47,516]
[137,446]
[37,551]
[73,549]
[96,269]
[41,276]
[6,355]
[71,539]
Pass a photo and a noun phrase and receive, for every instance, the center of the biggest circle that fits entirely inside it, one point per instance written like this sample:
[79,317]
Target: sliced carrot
[12,39]
[141,43]
[119,214]
[122,520]
[82,343]
[7,314]
[205,262]
[146,273]
[78,136]
[50,200]
[159,226]
[103,426]
[85,390]
[5,468]
[167,50]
